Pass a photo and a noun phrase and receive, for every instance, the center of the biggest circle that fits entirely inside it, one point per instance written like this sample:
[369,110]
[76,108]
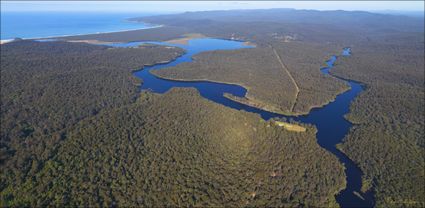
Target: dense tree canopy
[74,130]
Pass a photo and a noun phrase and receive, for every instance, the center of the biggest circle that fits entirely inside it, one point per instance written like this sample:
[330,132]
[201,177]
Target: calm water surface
[329,120]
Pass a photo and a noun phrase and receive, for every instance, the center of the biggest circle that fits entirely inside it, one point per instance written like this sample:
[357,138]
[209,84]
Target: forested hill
[388,50]
[338,17]
[76,132]
[270,25]
[48,87]
[308,24]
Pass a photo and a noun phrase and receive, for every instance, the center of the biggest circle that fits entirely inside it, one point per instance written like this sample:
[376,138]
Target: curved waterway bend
[329,120]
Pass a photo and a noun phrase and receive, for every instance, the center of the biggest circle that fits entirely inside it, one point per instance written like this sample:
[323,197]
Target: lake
[329,119]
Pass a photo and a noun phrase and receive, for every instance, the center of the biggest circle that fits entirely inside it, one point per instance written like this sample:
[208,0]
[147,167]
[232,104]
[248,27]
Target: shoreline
[255,103]
[3,41]
[186,38]
[235,100]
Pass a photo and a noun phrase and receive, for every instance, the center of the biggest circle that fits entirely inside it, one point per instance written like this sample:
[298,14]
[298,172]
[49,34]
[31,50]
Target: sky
[181,6]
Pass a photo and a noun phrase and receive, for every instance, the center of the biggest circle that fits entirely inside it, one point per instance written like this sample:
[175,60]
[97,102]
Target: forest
[268,83]
[155,34]
[47,87]
[269,88]
[388,59]
[387,140]
[68,138]
[304,62]
[176,149]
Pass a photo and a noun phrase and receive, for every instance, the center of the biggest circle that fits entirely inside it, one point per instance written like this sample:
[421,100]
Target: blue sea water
[47,24]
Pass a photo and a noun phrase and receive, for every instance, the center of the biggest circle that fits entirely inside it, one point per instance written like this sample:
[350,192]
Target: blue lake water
[329,120]
[48,24]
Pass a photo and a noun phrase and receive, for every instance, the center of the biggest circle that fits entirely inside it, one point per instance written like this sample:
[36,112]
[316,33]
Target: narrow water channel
[329,120]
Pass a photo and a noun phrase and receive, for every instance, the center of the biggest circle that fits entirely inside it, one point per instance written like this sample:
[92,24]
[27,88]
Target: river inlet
[329,119]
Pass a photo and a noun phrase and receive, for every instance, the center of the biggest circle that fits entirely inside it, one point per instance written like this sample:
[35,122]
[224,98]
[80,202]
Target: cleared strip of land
[303,61]
[256,69]
[297,89]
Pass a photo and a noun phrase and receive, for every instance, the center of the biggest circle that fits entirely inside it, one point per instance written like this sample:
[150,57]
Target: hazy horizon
[183,6]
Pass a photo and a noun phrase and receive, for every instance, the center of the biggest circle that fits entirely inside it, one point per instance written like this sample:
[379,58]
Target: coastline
[246,100]
[3,41]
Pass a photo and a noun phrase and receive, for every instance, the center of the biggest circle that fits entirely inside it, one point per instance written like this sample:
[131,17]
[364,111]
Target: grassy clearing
[290,127]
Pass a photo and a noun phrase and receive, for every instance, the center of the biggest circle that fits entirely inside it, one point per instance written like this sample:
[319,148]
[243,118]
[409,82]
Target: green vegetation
[269,85]
[257,69]
[74,132]
[154,34]
[387,141]
[48,87]
[100,145]
[178,149]
[304,62]
[388,52]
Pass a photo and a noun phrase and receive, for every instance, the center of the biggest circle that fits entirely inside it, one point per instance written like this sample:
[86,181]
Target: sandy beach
[5,41]
[86,41]
[186,38]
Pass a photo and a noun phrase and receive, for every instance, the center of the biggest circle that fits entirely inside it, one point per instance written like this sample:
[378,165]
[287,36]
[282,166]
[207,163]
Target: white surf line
[290,76]
[83,34]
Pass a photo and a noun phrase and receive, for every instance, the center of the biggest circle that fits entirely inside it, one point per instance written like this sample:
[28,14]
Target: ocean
[47,24]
